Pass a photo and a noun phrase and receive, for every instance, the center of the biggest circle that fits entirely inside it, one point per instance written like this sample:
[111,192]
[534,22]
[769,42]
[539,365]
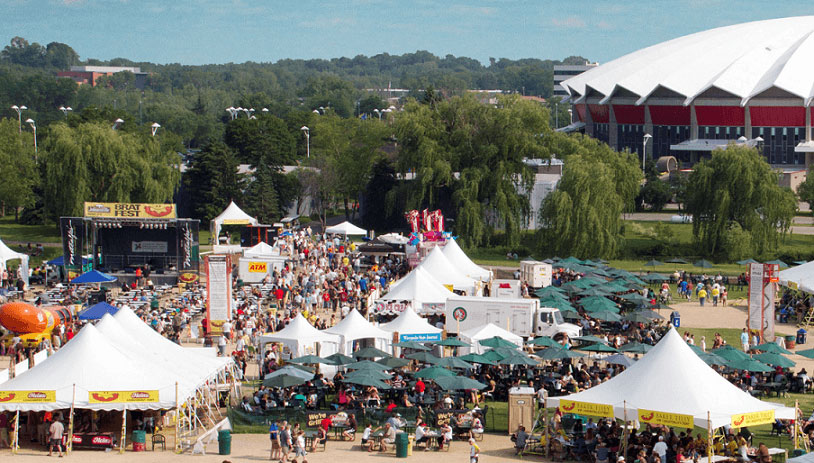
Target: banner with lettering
[106,397]
[20,397]
[73,242]
[668,419]
[586,408]
[752,419]
[130,210]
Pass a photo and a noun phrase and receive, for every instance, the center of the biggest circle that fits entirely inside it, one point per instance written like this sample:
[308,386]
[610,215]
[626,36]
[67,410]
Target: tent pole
[545,426]
[15,441]
[624,430]
[796,420]
[69,446]
[124,431]
[177,442]
[709,438]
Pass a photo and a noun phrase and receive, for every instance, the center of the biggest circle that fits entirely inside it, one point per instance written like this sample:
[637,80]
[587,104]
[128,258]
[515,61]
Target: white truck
[522,317]
[536,274]
[505,289]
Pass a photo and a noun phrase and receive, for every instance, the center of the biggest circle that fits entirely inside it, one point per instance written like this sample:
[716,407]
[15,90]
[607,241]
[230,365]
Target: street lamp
[265,110]
[556,114]
[647,136]
[378,113]
[248,112]
[307,133]
[19,110]
[155,127]
[233,111]
[117,123]
[34,127]
[65,110]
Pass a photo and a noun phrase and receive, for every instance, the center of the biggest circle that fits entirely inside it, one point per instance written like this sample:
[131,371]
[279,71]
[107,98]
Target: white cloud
[336,21]
[570,22]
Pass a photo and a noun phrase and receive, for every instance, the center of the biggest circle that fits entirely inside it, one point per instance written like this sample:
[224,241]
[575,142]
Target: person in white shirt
[366,440]
[420,435]
[661,448]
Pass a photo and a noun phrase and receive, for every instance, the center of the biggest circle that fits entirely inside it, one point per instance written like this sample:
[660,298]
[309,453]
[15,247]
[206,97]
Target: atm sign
[258,267]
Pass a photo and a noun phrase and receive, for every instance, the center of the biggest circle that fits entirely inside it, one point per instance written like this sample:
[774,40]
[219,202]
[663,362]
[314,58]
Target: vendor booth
[437,265]
[345,228]
[301,338]
[232,215]
[410,327]
[354,327]
[488,331]
[259,261]
[800,277]
[6,254]
[418,290]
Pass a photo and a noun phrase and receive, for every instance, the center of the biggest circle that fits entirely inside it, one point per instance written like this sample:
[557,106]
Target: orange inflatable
[31,323]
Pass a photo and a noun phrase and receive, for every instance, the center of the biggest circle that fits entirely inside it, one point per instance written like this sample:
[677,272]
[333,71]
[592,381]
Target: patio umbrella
[749,365]
[703,263]
[775,360]
[452,383]
[605,316]
[543,341]
[619,359]
[291,370]
[598,348]
[519,360]
[712,359]
[369,353]
[310,360]
[800,262]
[367,374]
[366,365]
[589,340]
[594,291]
[654,278]
[731,354]
[339,359]
[477,358]
[425,357]
[651,314]
[283,380]
[549,291]
[637,317]
[556,353]
[561,304]
[808,353]
[411,345]
[653,263]
[747,261]
[433,372]
[362,381]
[636,348]
[779,263]
[393,362]
[452,342]
[497,341]
[634,297]
[772,348]
[454,362]
[676,260]
[494,355]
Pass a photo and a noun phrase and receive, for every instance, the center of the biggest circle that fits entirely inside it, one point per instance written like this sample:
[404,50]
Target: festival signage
[130,210]
[188,246]
[586,408]
[668,419]
[107,397]
[258,267]
[152,247]
[762,278]
[424,337]
[314,418]
[218,293]
[27,397]
[73,236]
[752,419]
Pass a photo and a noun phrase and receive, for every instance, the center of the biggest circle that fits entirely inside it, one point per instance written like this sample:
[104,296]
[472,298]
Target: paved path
[802,224]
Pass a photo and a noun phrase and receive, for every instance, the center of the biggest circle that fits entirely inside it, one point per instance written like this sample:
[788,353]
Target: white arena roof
[744,60]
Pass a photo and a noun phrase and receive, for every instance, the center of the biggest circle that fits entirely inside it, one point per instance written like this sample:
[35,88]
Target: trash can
[402,442]
[139,441]
[224,442]
[675,319]
[801,336]
[410,445]
[790,342]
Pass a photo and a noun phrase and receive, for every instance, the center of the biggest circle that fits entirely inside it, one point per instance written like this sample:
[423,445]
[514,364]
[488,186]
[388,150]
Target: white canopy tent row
[300,338]
[345,228]
[262,249]
[800,277]
[420,289]
[232,215]
[487,331]
[671,385]
[7,254]
[461,261]
[411,327]
[437,265]
[354,327]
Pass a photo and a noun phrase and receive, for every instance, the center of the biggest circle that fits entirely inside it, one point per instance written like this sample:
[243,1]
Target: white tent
[7,254]
[419,288]
[232,215]
[261,249]
[487,331]
[411,327]
[672,379]
[345,228]
[394,238]
[302,338]
[800,277]
[91,363]
[437,265]
[462,262]
[354,327]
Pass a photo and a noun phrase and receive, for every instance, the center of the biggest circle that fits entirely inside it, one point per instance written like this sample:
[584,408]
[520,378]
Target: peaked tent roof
[232,215]
[487,331]
[802,276]
[671,378]
[299,333]
[346,228]
[261,249]
[6,254]
[419,287]
[459,259]
[410,323]
[97,311]
[354,326]
[94,276]
[437,265]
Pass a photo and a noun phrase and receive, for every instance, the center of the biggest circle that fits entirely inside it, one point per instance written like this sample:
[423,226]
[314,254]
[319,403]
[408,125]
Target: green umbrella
[497,341]
[425,357]
[411,345]
[452,342]
[637,317]
[433,372]
[655,278]
[651,314]
[605,316]
[636,348]
[454,362]
[310,360]
[393,362]
[598,348]
[634,297]
[590,339]
[749,365]
[453,383]
[800,262]
[556,353]
[339,359]
[747,261]
[544,341]
[367,374]
[477,358]
[564,306]
[494,355]
[808,353]
[654,263]
[615,287]
[676,260]
[731,354]
[703,263]
[549,291]
[366,365]
[361,381]
[594,291]
[283,381]
[369,353]
[779,263]
[774,359]
[712,359]
[772,348]
[519,360]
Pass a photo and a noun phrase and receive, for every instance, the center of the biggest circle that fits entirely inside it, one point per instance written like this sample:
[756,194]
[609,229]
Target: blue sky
[220,31]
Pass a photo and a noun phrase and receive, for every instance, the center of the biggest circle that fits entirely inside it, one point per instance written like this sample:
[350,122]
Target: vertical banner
[755,315]
[762,280]
[218,293]
[73,244]
[187,235]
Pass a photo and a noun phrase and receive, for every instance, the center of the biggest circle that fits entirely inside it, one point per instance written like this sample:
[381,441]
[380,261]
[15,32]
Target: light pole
[117,123]
[647,136]
[556,114]
[307,133]
[34,127]
[249,112]
[19,110]
[378,113]
[233,111]
[155,127]
[65,110]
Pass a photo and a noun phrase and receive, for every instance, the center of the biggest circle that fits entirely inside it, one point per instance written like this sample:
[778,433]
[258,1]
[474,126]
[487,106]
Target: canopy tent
[460,260]
[301,338]
[98,311]
[345,228]
[232,215]
[437,265]
[394,238]
[672,379]
[7,254]
[354,327]
[490,330]
[800,277]
[419,288]
[93,277]
[261,249]
[60,261]
[411,327]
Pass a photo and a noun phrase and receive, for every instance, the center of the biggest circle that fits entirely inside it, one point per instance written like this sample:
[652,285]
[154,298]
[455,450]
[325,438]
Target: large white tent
[354,327]
[232,215]
[345,228]
[261,249]
[302,338]
[800,277]
[462,262]
[411,327]
[487,331]
[672,379]
[7,254]
[419,288]
[437,265]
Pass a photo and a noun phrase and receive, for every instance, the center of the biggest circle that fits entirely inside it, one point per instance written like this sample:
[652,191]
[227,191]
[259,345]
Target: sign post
[218,293]
[760,316]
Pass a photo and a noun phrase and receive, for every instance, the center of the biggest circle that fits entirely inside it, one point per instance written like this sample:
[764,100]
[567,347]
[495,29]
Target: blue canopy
[94,276]
[60,261]
[98,311]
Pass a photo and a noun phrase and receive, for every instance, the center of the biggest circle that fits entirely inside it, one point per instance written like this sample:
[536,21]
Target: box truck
[535,274]
[522,317]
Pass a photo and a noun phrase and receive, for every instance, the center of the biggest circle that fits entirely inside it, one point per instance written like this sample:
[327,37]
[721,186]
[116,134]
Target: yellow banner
[669,419]
[131,210]
[258,267]
[22,397]
[793,285]
[105,397]
[235,222]
[586,408]
[752,419]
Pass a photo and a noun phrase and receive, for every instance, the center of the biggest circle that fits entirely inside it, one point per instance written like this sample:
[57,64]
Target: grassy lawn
[10,231]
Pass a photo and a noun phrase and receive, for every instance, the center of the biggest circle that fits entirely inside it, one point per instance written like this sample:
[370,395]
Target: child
[299,450]
[474,451]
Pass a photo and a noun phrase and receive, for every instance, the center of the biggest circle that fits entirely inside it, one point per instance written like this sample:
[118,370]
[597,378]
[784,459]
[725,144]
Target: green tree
[265,138]
[18,177]
[654,195]
[806,189]
[738,187]
[212,181]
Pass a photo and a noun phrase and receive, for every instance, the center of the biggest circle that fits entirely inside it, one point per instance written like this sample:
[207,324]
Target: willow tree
[735,192]
[18,176]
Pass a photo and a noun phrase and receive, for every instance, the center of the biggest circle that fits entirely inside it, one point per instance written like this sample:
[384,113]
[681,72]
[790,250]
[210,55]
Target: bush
[737,244]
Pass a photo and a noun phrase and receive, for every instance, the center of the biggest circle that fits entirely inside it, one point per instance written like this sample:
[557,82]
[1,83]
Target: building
[547,174]
[88,75]
[750,83]
[566,71]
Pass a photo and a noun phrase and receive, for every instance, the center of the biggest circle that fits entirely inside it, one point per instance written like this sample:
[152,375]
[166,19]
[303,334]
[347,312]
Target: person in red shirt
[326,423]
[419,389]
